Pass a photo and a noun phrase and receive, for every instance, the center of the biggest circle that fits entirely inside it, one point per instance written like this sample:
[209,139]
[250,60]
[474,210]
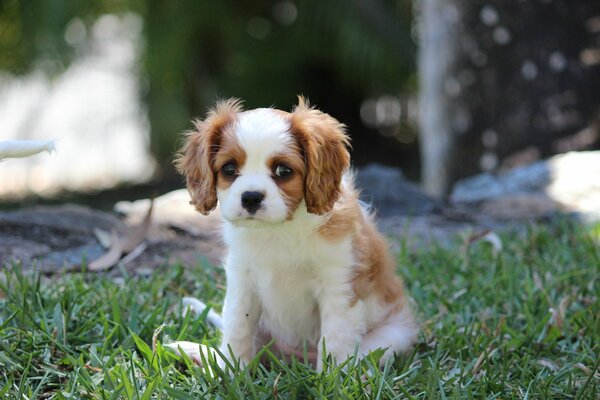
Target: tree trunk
[504,83]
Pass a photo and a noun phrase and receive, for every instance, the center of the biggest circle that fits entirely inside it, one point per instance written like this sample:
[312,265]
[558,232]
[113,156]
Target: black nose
[251,201]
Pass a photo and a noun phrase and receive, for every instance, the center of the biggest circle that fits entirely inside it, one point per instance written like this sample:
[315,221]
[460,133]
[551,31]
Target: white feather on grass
[24,148]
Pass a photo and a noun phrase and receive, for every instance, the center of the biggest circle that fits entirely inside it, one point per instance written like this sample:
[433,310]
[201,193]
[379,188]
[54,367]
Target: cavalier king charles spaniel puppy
[306,267]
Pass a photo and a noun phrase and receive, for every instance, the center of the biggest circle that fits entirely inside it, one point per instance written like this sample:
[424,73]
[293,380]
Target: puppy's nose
[251,201]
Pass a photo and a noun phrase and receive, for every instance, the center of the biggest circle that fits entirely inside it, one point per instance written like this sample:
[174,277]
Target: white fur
[291,283]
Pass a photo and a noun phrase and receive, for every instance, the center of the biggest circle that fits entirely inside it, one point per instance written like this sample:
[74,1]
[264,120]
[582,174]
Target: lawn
[524,323]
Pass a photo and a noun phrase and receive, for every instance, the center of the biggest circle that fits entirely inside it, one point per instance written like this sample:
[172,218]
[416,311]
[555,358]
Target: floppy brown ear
[195,159]
[324,143]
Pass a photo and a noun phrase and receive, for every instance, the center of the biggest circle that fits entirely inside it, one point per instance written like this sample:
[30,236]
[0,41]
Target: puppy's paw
[198,353]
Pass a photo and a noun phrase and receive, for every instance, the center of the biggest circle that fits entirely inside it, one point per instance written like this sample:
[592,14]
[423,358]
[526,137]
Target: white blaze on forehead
[262,133]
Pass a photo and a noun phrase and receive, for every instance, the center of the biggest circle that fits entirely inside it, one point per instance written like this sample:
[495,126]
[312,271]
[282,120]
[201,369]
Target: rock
[39,237]
[521,206]
[391,193]
[56,239]
[567,183]
[529,179]
[70,217]
[420,231]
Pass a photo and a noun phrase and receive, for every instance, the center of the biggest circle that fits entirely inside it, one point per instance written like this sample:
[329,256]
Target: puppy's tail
[198,307]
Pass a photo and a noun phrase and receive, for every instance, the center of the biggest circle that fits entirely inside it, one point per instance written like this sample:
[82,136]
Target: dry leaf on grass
[103,237]
[157,332]
[275,386]
[558,314]
[487,236]
[587,371]
[487,354]
[138,232]
[549,364]
[130,244]
[111,257]
[134,254]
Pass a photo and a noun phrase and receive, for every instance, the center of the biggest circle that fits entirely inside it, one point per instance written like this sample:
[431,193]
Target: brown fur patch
[324,145]
[292,187]
[229,151]
[345,217]
[195,160]
[374,271]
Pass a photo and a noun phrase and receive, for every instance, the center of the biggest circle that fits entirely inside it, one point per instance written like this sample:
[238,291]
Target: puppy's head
[263,164]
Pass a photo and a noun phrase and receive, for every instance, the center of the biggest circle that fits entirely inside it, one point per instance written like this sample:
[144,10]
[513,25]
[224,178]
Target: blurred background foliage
[499,84]
[337,52]
[33,31]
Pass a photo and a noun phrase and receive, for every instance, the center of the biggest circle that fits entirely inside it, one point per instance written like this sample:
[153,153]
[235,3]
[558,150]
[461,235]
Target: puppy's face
[260,169]
[261,165]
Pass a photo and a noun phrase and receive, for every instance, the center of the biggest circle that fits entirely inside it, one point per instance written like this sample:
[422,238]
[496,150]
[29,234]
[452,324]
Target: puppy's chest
[289,306]
[288,274]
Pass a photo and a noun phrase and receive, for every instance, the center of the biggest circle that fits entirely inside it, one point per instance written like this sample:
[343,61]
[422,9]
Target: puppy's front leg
[241,312]
[342,324]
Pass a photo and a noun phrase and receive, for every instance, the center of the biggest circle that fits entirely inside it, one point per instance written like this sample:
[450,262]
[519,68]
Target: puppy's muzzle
[251,201]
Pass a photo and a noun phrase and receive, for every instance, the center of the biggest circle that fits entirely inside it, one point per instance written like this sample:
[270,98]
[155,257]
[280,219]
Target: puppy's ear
[324,144]
[195,159]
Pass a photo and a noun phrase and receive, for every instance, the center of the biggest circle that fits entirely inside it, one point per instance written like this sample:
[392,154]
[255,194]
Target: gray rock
[70,217]
[53,238]
[528,179]
[566,183]
[391,193]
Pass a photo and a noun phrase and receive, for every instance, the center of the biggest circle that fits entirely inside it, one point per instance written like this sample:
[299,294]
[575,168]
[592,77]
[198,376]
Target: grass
[521,324]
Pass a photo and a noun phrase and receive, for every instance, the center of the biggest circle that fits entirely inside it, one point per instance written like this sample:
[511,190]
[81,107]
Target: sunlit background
[442,89]
[91,107]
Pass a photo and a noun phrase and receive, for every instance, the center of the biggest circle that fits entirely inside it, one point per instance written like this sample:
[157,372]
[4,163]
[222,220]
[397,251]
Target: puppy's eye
[283,171]
[229,169]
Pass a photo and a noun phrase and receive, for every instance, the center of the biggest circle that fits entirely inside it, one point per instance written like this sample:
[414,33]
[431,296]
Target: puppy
[305,264]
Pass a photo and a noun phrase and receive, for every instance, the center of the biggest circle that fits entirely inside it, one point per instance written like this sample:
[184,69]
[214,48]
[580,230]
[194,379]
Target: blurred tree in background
[504,83]
[338,53]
